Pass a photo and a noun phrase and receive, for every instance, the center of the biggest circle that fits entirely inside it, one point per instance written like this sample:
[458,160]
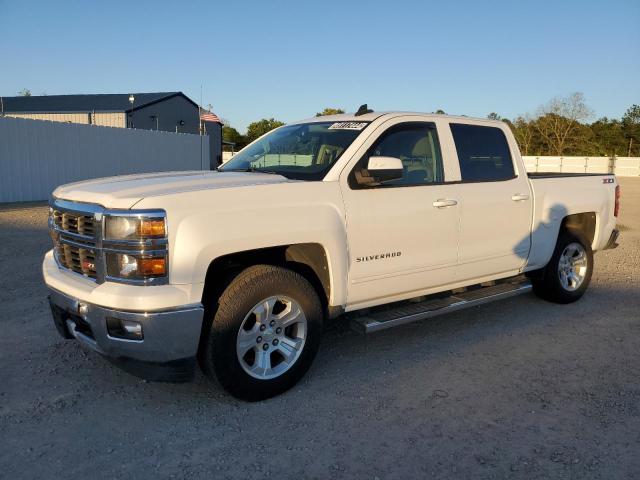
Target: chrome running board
[411,312]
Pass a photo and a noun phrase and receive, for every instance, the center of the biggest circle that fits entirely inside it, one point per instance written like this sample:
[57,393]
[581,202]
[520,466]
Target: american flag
[209,117]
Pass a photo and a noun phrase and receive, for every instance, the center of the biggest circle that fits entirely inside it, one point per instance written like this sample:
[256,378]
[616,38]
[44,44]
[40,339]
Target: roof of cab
[370,117]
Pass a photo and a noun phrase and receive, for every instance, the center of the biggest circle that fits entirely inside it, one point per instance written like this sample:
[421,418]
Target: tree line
[561,127]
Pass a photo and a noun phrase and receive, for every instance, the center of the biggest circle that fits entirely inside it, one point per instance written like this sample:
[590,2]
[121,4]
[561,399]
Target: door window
[416,145]
[483,153]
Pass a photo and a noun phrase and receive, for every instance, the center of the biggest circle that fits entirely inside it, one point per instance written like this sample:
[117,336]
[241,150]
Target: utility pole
[132,99]
[201,125]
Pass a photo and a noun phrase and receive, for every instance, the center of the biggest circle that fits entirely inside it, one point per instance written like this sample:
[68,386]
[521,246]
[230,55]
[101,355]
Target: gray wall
[169,113]
[36,156]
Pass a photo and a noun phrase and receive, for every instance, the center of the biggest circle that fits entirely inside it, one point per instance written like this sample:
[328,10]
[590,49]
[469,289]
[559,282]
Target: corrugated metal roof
[109,102]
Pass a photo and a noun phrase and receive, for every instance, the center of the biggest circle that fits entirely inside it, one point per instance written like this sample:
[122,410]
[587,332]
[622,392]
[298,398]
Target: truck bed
[562,194]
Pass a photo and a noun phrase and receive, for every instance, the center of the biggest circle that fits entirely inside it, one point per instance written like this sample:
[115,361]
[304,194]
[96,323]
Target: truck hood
[127,190]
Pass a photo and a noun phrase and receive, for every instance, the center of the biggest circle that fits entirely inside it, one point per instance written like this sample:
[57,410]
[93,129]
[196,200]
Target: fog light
[124,329]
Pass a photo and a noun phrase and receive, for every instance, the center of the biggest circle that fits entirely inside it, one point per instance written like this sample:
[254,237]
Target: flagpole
[201,125]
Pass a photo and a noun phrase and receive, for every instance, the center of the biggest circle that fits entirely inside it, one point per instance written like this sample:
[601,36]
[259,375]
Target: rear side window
[483,153]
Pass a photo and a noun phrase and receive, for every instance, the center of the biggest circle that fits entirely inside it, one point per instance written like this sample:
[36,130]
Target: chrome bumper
[167,351]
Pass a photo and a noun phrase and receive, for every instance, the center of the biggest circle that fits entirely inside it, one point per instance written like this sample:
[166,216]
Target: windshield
[304,151]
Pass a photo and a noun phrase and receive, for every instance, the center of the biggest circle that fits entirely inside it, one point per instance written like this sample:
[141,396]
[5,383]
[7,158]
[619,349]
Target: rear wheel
[568,273]
[265,333]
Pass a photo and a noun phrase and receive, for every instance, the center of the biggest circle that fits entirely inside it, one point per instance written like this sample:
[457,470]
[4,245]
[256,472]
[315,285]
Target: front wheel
[568,273]
[265,333]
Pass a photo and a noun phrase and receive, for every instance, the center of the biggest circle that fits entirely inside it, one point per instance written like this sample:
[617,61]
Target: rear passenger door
[495,203]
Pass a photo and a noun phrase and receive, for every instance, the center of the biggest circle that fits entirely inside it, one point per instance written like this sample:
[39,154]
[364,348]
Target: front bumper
[167,351]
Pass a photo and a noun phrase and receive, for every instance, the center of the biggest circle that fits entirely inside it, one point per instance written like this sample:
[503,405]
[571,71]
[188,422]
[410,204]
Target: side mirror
[384,169]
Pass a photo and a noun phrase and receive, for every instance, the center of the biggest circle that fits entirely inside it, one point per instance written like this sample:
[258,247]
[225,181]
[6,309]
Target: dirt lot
[518,389]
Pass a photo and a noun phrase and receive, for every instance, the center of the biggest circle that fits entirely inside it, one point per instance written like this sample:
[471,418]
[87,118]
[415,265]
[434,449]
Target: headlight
[136,247]
[135,266]
[134,228]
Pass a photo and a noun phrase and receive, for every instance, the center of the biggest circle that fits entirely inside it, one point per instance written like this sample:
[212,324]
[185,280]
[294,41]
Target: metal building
[166,111]
[163,111]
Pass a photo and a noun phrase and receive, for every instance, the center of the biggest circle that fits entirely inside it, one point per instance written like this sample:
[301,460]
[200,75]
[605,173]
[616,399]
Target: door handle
[443,203]
[519,197]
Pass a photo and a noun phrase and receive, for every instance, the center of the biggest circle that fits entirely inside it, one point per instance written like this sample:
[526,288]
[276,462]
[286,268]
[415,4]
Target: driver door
[402,234]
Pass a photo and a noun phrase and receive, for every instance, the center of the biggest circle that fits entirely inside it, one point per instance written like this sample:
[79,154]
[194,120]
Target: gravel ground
[518,389]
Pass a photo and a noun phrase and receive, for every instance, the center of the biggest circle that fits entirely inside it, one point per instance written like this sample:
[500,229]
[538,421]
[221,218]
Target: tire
[563,280]
[256,319]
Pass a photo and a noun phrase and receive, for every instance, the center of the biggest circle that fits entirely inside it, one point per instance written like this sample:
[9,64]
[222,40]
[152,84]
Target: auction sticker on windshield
[348,126]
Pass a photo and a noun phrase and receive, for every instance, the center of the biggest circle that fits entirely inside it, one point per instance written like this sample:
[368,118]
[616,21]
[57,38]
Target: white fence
[621,166]
[37,156]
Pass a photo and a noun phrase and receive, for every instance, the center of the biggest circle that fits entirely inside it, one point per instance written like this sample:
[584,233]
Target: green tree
[561,126]
[524,132]
[25,92]
[494,116]
[631,129]
[230,134]
[632,114]
[329,111]
[558,122]
[608,137]
[259,128]
[440,112]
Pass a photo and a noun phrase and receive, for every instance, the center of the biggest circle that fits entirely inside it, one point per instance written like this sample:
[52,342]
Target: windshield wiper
[253,170]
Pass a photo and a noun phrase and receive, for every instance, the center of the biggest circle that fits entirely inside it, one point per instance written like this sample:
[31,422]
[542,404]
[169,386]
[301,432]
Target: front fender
[205,225]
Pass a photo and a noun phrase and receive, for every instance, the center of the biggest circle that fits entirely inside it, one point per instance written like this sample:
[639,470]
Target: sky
[291,59]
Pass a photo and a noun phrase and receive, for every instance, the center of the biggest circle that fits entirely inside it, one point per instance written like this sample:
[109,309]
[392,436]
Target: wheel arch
[308,259]
[584,224]
[545,236]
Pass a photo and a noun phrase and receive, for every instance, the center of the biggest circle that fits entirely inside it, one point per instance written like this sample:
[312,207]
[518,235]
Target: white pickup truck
[380,218]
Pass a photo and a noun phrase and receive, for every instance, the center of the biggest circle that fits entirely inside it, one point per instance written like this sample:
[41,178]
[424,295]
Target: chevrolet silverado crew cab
[377,218]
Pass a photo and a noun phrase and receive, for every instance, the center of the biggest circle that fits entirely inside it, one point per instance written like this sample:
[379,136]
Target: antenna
[363,110]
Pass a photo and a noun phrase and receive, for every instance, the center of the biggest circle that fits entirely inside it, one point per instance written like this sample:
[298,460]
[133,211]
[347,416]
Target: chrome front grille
[74,222]
[76,259]
[75,242]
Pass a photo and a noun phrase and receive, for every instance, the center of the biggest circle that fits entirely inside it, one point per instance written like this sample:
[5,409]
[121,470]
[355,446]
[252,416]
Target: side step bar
[412,312]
